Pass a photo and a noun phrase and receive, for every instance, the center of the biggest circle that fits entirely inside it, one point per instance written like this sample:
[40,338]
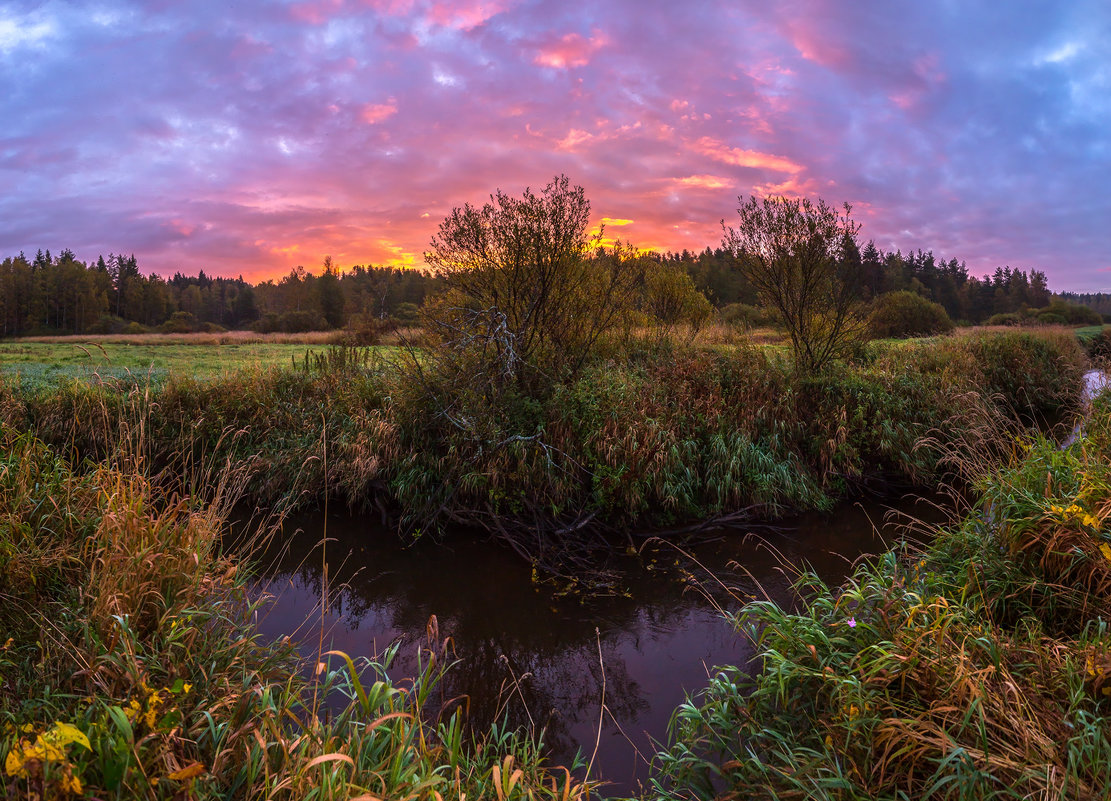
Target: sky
[248,137]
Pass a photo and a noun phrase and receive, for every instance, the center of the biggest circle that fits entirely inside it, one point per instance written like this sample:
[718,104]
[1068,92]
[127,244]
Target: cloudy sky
[250,136]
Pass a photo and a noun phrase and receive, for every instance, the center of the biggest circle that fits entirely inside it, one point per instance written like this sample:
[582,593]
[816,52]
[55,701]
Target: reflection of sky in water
[1095,384]
[656,644]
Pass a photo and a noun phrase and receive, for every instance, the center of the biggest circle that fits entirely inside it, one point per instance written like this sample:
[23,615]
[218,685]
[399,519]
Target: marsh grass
[977,668]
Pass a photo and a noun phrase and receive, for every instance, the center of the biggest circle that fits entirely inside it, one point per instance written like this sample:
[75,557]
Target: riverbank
[657,439]
[978,668]
[132,669]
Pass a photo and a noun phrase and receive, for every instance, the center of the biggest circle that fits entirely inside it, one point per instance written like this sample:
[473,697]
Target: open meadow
[40,362]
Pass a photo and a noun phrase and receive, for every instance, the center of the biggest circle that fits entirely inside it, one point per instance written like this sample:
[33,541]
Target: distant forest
[61,295]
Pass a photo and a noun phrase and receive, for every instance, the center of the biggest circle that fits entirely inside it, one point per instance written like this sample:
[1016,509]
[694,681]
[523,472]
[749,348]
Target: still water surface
[525,651]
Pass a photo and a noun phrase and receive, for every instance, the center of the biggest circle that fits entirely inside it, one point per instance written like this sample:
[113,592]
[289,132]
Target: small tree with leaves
[801,257]
[525,302]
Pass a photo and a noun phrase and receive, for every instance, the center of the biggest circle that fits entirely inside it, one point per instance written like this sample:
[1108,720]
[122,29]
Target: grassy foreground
[129,668]
[977,669]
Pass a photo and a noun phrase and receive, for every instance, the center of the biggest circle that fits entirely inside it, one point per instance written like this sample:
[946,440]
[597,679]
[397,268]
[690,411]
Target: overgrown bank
[660,438]
[131,669]
[980,668]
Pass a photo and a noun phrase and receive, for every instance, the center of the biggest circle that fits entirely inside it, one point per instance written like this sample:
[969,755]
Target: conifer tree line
[965,298]
[59,294]
[62,295]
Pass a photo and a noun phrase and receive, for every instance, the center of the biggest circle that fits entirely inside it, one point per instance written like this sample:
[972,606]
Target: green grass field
[149,357]
[48,363]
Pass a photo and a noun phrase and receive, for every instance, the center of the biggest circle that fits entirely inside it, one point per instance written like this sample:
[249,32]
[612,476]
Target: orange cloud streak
[740,157]
[702,182]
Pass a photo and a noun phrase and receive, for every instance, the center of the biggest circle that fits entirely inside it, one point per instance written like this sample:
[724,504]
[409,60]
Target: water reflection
[530,655]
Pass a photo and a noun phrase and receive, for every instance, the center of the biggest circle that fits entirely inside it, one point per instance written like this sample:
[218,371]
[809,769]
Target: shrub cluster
[291,322]
[907,314]
[1058,312]
[657,439]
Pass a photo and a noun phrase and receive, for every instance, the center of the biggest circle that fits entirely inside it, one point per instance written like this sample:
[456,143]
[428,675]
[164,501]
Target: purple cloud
[249,137]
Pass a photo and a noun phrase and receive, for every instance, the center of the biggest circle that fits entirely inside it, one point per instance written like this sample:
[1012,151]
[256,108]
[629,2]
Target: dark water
[525,651]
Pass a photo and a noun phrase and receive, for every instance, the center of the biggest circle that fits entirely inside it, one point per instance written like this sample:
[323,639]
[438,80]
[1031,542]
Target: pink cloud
[574,138]
[570,50]
[465,14]
[182,228]
[793,188]
[811,37]
[374,113]
[462,15]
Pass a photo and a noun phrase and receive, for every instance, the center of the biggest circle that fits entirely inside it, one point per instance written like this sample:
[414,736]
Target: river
[540,657]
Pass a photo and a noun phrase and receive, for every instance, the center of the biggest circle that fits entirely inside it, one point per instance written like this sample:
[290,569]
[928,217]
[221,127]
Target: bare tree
[802,259]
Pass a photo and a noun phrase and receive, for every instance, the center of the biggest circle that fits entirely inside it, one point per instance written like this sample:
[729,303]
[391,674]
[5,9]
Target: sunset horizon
[250,140]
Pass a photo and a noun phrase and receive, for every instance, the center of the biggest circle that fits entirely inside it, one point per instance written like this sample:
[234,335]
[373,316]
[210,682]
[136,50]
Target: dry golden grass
[718,333]
[977,330]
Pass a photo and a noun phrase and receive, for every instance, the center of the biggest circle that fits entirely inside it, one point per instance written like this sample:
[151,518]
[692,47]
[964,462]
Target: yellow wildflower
[48,747]
[16,763]
[71,784]
[63,734]
[154,703]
